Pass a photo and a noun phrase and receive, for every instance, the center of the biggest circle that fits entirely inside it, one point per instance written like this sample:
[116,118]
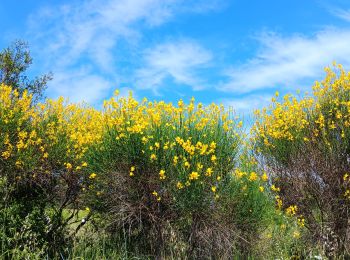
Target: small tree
[14,62]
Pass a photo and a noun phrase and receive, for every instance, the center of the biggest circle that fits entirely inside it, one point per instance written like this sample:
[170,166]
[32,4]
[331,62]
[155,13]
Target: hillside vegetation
[149,179]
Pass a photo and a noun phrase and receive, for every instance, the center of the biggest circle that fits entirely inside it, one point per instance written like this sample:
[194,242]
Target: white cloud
[180,61]
[288,61]
[89,32]
[341,13]
[247,104]
[79,86]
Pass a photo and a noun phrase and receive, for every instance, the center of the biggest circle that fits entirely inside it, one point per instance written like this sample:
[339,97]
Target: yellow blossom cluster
[39,139]
[179,142]
[324,115]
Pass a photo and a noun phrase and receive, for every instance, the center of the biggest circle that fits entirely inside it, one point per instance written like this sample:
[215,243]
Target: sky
[235,52]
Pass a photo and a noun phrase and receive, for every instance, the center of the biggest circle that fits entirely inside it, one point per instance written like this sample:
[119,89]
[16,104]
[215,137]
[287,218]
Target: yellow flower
[261,188]
[68,166]
[213,189]
[213,158]
[92,176]
[6,154]
[264,177]
[292,210]
[296,234]
[253,176]
[162,175]
[274,188]
[194,176]
[187,164]
[175,160]
[153,157]
[179,185]
[132,168]
[209,172]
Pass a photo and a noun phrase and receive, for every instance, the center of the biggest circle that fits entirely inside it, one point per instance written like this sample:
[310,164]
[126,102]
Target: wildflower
[68,166]
[264,177]
[345,176]
[209,172]
[187,164]
[213,189]
[261,188]
[296,234]
[162,174]
[6,154]
[179,185]
[278,201]
[92,176]
[194,176]
[239,174]
[274,188]
[292,210]
[213,158]
[253,176]
[153,157]
[175,160]
[301,221]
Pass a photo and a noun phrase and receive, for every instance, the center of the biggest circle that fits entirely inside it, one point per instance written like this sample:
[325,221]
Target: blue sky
[233,52]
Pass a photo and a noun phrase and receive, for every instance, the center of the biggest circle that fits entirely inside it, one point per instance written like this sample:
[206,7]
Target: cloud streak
[180,61]
[86,37]
[288,61]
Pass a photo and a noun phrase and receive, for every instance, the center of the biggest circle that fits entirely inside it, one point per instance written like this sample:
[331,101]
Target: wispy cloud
[246,104]
[289,61]
[341,13]
[79,85]
[89,33]
[180,61]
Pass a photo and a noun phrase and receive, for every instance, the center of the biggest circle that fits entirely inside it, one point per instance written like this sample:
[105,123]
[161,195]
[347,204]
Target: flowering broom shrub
[159,179]
[304,144]
[162,177]
[38,152]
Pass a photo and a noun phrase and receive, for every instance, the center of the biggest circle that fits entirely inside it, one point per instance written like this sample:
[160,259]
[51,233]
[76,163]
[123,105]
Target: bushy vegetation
[140,179]
[304,145]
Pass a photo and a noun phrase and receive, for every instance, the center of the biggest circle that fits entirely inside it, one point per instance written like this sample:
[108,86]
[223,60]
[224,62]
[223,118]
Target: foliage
[37,179]
[14,62]
[153,179]
[304,144]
